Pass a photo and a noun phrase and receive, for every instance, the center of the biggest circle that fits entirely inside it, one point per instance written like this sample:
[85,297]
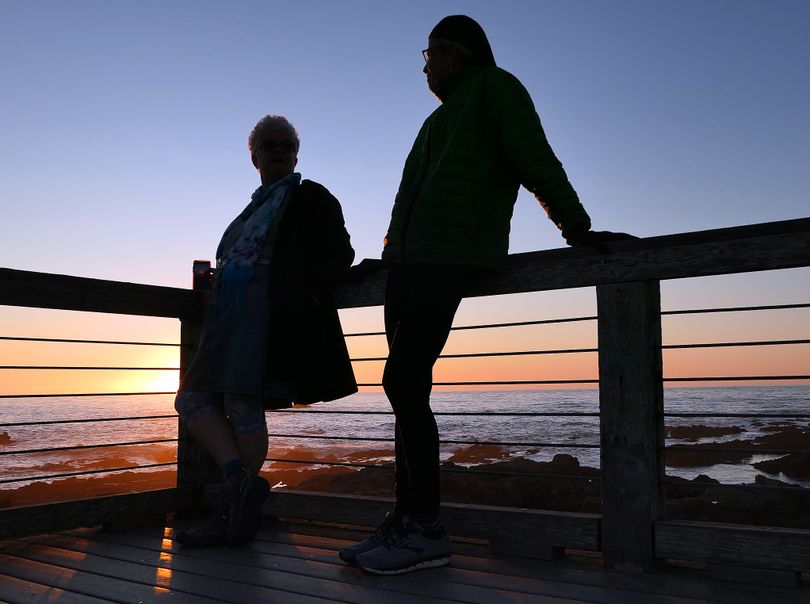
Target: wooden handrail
[767,246]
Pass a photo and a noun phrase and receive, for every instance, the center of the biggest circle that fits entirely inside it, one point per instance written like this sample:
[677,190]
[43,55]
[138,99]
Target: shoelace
[398,536]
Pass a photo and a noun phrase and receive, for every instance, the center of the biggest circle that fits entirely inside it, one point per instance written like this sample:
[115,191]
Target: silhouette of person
[271,334]
[450,224]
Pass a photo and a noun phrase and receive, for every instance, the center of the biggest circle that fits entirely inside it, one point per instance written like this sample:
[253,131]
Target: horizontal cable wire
[732,344]
[489,325]
[444,442]
[465,355]
[736,378]
[77,394]
[87,420]
[468,355]
[79,447]
[761,450]
[694,311]
[449,470]
[709,378]
[489,383]
[72,341]
[594,318]
[338,412]
[505,382]
[475,413]
[86,472]
[742,415]
[88,368]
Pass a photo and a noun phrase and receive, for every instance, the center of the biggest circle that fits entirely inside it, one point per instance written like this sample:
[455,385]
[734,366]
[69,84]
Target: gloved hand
[598,240]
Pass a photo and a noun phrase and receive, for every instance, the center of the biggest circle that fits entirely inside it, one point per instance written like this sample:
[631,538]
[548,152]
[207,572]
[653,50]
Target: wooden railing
[630,532]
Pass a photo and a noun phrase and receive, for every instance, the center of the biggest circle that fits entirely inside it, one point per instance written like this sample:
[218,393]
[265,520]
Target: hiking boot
[411,548]
[213,531]
[391,524]
[246,495]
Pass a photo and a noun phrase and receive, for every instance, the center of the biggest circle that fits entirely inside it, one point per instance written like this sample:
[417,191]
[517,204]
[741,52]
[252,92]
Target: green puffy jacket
[461,178]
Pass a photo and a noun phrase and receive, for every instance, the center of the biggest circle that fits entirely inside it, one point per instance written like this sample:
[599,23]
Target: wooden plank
[46,290]
[303,573]
[88,512]
[768,246]
[90,583]
[653,586]
[282,547]
[13,589]
[734,544]
[196,583]
[631,404]
[746,574]
[560,529]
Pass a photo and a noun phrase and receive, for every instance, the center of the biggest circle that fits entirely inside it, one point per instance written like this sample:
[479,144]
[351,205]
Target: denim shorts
[244,411]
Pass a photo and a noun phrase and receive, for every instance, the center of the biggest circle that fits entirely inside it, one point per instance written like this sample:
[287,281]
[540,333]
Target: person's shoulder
[315,193]
[501,77]
[310,188]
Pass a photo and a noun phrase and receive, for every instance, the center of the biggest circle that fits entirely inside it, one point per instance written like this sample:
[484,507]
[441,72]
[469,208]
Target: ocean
[295,434]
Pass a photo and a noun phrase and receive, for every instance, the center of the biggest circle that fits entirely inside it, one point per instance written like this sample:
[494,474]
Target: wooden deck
[298,563]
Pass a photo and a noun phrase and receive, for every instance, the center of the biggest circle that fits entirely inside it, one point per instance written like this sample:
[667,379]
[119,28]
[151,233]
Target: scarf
[238,265]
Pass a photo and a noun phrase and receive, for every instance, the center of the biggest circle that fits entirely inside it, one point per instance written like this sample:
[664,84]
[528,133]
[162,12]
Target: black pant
[420,303]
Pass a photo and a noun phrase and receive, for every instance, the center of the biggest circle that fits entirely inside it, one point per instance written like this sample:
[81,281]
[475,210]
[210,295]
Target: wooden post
[631,403]
[195,467]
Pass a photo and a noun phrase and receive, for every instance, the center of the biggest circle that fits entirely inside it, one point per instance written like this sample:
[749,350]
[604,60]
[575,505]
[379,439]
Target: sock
[231,467]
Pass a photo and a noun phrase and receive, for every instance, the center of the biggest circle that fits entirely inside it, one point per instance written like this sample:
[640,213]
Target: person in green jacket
[450,224]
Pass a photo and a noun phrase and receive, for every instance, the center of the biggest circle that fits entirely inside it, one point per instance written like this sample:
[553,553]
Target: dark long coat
[305,348]
[312,254]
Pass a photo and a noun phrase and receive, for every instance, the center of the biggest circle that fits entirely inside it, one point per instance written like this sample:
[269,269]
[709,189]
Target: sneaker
[246,495]
[391,524]
[409,549]
[213,531]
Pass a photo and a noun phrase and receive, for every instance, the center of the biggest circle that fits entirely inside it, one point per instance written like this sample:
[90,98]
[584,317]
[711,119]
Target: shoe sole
[432,563]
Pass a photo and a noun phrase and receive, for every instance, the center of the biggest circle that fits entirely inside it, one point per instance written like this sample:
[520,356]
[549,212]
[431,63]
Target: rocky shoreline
[490,475]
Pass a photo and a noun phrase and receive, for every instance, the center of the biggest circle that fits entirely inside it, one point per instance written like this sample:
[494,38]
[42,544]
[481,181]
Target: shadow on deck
[298,562]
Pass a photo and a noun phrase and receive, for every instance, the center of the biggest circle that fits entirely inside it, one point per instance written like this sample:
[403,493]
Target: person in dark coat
[271,335]
[450,226]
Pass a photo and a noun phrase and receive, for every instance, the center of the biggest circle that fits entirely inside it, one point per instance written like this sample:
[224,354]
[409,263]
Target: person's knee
[395,381]
[246,415]
[191,405]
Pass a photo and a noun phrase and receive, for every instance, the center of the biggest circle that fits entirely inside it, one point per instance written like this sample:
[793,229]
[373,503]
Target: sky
[123,141]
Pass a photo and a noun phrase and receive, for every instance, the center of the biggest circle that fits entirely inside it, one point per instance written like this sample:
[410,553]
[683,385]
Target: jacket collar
[454,83]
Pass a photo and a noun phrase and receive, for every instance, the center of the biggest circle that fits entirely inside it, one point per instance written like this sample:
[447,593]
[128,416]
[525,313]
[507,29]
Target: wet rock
[794,465]
[701,454]
[697,432]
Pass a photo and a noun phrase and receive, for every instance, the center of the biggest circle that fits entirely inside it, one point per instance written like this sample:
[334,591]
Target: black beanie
[470,35]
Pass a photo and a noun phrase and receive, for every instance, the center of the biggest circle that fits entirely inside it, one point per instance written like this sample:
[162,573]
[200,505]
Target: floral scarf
[237,265]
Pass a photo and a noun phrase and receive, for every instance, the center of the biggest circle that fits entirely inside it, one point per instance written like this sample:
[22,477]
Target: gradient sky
[123,129]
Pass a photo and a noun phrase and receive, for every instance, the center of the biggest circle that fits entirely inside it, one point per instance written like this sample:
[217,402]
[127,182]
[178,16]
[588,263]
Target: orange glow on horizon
[677,329]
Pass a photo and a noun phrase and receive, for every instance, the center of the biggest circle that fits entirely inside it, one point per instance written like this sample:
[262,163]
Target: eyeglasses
[286,146]
[428,52]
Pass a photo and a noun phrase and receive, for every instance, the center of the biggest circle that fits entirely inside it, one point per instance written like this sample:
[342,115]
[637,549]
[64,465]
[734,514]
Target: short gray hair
[277,123]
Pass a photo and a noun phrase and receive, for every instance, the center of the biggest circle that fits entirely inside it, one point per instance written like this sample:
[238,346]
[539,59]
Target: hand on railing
[366,267]
[597,240]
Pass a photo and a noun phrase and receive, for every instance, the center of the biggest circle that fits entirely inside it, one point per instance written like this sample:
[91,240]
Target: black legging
[420,303]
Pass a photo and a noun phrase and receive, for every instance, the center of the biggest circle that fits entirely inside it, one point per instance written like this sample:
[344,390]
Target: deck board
[298,563]
[13,589]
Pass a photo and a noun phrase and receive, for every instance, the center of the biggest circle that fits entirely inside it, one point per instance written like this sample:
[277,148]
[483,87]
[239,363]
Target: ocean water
[303,433]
